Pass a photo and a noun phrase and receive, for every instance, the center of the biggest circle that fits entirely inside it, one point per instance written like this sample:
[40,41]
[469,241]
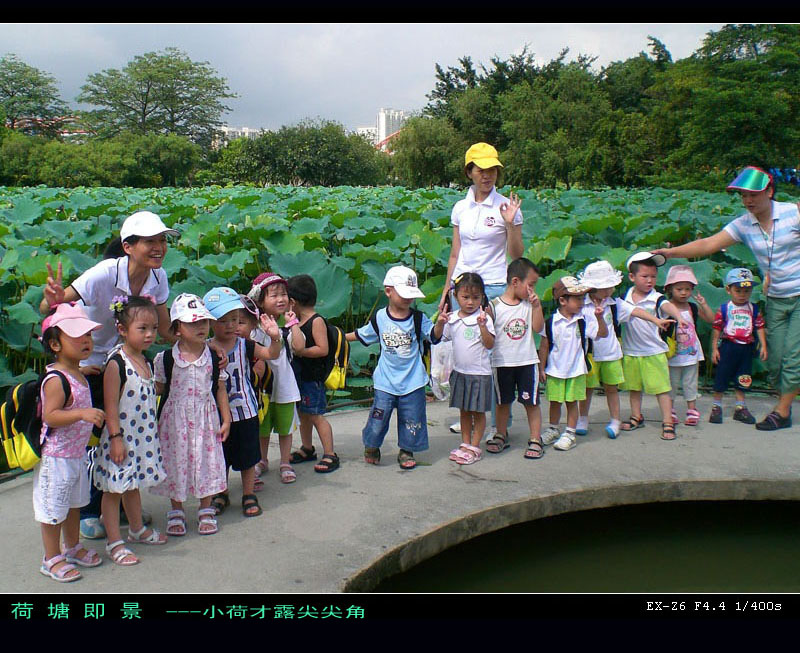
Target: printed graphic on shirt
[489,221]
[398,340]
[516,329]
[740,323]
[686,341]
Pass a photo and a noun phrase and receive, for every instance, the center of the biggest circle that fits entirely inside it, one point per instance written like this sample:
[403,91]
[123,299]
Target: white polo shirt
[98,286]
[566,358]
[483,236]
[469,354]
[608,348]
[640,337]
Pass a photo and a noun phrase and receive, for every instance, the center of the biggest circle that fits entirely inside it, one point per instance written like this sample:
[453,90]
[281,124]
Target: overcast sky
[338,71]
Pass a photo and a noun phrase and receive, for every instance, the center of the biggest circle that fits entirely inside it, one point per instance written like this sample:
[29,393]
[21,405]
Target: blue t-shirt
[400,369]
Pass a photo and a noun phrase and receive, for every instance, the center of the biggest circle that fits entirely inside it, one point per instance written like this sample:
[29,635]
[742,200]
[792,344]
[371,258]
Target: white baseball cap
[145,224]
[188,308]
[404,281]
[600,275]
[658,259]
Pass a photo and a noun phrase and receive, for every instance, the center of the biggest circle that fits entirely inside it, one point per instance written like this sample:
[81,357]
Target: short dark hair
[129,309]
[302,289]
[53,333]
[647,263]
[520,268]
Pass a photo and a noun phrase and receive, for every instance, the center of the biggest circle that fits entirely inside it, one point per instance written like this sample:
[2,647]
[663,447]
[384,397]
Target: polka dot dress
[143,465]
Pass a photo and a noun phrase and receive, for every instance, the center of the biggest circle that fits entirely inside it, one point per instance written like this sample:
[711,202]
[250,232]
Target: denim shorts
[312,398]
[412,422]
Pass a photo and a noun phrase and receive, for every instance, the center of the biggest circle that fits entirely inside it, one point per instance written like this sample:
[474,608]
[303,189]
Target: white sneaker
[565,442]
[582,427]
[612,430]
[455,428]
[491,433]
[550,435]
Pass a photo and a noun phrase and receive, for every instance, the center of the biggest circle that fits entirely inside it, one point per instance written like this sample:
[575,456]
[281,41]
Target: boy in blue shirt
[400,376]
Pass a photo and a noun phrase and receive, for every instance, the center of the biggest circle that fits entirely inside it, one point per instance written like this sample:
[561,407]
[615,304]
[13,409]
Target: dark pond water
[746,546]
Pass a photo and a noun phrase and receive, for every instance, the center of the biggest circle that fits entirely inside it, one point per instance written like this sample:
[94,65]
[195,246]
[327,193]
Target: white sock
[614,424]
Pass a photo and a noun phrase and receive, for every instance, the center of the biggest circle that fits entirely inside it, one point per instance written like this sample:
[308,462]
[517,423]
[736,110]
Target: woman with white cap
[487,227]
[132,266]
[772,232]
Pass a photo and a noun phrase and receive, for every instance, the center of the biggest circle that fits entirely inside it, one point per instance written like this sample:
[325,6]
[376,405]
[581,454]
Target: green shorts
[281,418]
[605,373]
[647,373]
[564,390]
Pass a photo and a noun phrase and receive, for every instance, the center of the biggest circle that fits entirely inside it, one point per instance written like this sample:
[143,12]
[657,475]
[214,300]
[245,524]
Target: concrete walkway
[347,530]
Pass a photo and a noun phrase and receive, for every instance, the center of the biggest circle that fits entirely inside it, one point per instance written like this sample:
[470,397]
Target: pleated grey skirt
[471,392]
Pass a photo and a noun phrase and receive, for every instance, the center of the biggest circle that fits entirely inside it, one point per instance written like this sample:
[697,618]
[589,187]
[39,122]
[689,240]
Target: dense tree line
[647,120]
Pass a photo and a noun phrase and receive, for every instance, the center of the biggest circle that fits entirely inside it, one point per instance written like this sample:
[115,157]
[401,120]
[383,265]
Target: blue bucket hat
[221,301]
[740,277]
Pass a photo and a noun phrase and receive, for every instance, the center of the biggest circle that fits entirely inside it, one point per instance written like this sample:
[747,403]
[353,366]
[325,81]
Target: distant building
[387,123]
[369,133]
[228,134]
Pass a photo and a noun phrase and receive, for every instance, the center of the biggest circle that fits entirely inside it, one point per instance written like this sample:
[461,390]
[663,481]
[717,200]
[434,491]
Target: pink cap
[678,273]
[71,319]
[262,281]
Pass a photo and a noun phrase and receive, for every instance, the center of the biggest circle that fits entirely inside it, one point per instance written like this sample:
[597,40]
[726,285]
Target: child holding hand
[471,330]
[60,482]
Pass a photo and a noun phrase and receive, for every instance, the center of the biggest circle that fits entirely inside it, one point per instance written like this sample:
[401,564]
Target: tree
[29,97]
[158,93]
[428,152]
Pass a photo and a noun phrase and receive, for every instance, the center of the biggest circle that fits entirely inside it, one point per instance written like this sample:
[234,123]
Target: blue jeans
[412,423]
[492,291]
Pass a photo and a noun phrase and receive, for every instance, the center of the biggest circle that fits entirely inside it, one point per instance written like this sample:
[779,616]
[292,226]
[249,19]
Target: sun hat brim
[750,179]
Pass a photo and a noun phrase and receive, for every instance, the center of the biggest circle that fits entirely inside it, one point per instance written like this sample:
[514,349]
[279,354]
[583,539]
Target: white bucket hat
[188,308]
[600,275]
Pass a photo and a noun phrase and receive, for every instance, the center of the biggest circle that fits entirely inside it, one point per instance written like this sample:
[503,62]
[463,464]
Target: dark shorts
[312,398]
[521,382]
[242,449]
[735,364]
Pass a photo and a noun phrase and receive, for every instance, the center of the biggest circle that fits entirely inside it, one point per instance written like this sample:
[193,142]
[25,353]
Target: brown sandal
[667,430]
[633,423]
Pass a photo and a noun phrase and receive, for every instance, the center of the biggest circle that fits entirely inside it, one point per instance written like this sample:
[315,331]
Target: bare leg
[306,431]
[555,412]
[285,442]
[466,427]
[612,398]
[110,510]
[636,402]
[132,502]
[534,414]
[586,404]
[572,414]
[324,431]
[665,403]
[502,411]
[480,427]
[248,480]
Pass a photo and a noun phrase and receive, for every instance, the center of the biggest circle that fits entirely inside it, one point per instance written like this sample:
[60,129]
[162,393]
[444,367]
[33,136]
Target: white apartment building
[228,134]
[370,133]
[389,122]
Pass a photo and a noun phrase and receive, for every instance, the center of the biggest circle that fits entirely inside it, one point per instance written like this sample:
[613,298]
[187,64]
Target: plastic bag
[441,366]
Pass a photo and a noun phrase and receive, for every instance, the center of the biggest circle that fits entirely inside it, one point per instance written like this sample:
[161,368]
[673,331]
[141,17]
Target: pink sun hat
[678,273]
[71,319]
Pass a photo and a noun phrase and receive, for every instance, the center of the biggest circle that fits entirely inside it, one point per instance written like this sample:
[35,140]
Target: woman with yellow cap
[772,232]
[486,227]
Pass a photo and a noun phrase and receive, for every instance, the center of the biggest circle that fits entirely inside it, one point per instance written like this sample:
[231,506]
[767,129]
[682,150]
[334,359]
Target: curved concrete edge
[407,555]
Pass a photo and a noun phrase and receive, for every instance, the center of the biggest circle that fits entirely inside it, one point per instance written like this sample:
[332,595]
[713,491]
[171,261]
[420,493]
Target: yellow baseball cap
[482,155]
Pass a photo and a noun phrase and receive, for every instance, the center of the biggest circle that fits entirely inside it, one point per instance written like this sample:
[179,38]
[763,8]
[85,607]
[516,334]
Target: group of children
[213,417]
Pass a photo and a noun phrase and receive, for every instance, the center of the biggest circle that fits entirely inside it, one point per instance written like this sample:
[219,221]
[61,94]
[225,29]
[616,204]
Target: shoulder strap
[548,332]
[169,362]
[65,386]
[755,313]
[614,319]
[661,299]
[417,315]
[214,373]
[724,312]
[250,352]
[373,320]
[695,312]
[117,358]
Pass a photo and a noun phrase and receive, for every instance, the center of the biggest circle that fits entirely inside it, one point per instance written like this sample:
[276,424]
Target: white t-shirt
[98,286]
[483,236]
[608,348]
[566,357]
[514,345]
[640,337]
[284,385]
[689,351]
[469,354]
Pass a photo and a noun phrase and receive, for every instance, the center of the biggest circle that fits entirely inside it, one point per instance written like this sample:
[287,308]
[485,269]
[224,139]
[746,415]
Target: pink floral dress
[187,430]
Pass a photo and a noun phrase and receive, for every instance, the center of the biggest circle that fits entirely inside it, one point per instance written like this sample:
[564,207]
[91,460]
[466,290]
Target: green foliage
[29,97]
[428,152]
[158,93]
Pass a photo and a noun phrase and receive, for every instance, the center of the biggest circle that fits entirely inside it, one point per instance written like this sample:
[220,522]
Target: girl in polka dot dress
[129,456]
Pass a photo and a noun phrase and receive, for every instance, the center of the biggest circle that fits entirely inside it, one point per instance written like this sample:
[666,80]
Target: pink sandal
[59,575]
[88,559]
[458,453]
[470,455]
[692,417]
[287,473]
